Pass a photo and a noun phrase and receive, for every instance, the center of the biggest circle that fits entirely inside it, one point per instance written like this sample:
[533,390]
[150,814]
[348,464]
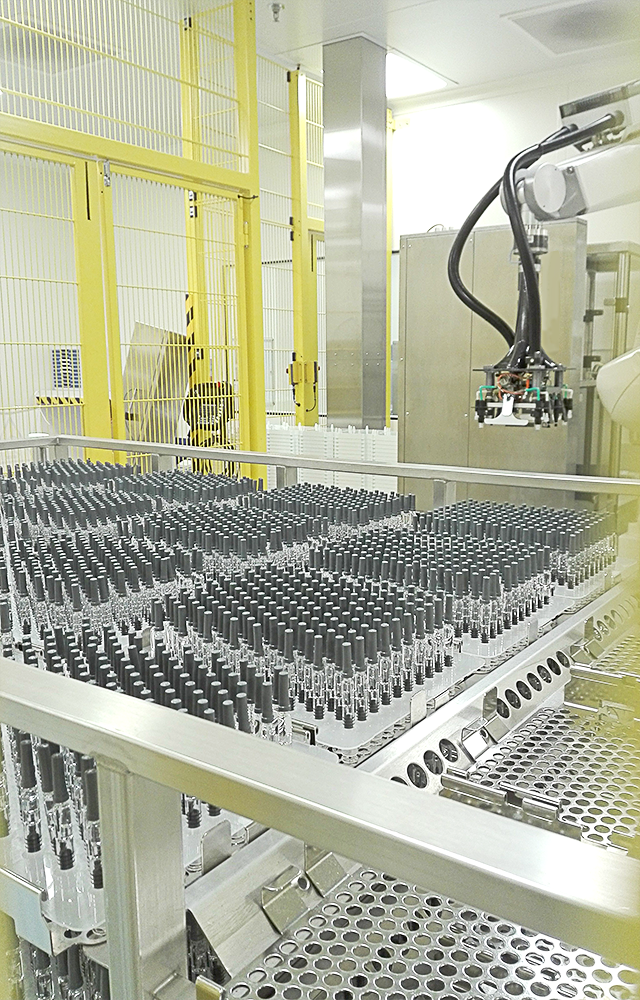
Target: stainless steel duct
[355,231]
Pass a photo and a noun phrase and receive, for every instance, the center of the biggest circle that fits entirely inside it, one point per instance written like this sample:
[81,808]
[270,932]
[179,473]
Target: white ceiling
[471,42]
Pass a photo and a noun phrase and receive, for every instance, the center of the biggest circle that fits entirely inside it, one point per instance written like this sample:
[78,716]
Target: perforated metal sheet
[623,658]
[377,938]
[587,764]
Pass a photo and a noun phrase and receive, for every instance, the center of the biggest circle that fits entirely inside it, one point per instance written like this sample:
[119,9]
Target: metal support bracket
[21,900]
[144,881]
[323,868]
[285,899]
[507,803]
[444,492]
[476,739]
[286,476]
[492,722]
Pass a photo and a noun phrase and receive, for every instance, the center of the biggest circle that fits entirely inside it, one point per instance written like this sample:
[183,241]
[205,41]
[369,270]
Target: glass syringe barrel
[92,826]
[61,815]
[29,798]
[348,687]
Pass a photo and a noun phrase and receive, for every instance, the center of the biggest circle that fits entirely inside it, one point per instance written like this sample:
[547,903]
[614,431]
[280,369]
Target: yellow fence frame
[304,234]
[93,159]
[88,236]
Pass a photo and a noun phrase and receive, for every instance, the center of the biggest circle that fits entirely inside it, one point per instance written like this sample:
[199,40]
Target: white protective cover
[618,385]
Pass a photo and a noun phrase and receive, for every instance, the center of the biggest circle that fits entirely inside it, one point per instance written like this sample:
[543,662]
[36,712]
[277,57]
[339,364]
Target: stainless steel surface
[533,878]
[522,749]
[155,381]
[285,476]
[177,988]
[376,936]
[467,707]
[408,471]
[442,344]
[355,126]
[583,765]
[22,901]
[623,659]
[227,906]
[144,881]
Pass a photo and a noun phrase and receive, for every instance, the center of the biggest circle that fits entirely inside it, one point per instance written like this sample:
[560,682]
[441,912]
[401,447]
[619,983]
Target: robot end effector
[526,387]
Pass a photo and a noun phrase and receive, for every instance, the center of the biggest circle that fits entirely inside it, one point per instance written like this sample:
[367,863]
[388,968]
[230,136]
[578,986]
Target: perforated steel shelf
[586,764]
[377,938]
[623,658]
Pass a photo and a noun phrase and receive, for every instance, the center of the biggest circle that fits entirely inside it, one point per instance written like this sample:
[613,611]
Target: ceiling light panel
[407,78]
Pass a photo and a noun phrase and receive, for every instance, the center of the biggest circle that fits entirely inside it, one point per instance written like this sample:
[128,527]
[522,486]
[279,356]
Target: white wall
[445,157]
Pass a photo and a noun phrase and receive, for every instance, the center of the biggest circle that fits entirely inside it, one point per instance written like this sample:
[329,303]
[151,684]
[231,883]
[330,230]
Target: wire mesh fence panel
[315,209]
[125,70]
[40,356]
[275,218]
[178,315]
[322,333]
[215,88]
[315,151]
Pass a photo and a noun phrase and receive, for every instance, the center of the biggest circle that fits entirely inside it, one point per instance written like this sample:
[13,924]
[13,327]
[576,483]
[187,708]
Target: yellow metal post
[197,305]
[390,130]
[118,422]
[253,426]
[303,248]
[91,303]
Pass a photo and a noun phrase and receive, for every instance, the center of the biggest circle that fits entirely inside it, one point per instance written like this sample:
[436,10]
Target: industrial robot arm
[526,387]
[584,183]
[605,177]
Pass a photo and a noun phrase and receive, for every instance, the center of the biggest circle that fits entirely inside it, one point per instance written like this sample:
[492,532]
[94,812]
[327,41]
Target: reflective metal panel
[355,231]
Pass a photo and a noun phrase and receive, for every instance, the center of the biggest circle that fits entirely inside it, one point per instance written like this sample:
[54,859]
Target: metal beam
[141,834]
[303,253]
[189,172]
[112,312]
[576,892]
[253,410]
[448,473]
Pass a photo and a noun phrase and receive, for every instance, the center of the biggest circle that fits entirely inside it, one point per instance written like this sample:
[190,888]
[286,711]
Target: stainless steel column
[355,231]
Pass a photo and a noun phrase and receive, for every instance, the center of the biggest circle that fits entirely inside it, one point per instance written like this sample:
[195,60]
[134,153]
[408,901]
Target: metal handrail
[147,754]
[579,893]
[403,470]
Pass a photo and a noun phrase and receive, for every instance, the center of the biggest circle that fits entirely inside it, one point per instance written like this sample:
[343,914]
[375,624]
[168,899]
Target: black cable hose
[565,137]
[455,255]
[453,267]
[557,140]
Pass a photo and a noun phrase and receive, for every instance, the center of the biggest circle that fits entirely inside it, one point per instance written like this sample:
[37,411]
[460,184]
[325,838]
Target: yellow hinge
[302,371]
